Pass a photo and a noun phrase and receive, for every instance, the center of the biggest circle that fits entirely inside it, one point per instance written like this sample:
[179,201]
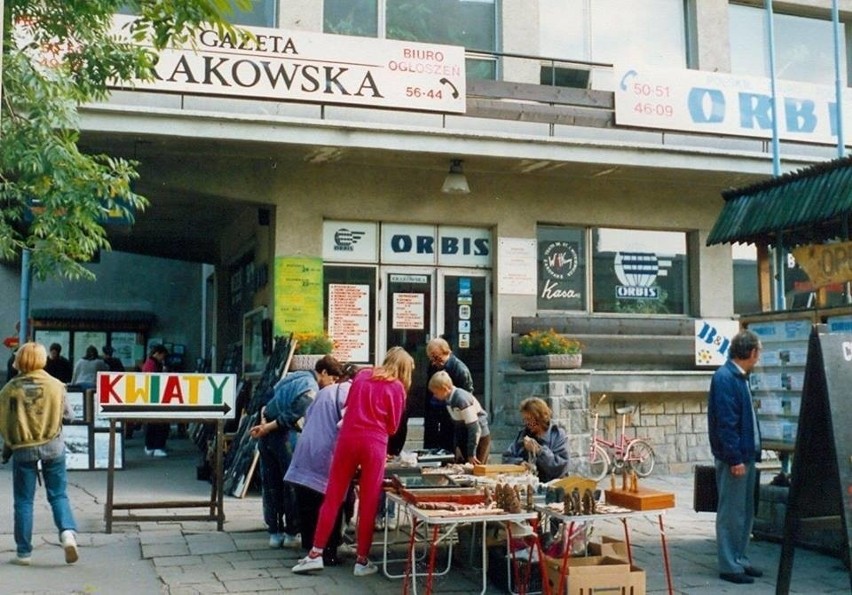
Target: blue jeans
[24,485]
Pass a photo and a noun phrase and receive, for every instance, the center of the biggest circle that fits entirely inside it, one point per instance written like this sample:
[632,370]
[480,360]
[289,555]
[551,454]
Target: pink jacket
[373,408]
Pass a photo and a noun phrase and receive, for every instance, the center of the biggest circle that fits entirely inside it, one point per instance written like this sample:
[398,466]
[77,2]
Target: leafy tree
[57,55]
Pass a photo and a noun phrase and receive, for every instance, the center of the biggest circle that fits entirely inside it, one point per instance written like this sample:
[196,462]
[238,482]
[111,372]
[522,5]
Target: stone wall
[675,424]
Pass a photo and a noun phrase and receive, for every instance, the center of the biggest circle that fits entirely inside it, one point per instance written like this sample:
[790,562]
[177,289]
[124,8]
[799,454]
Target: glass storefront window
[804,47]
[561,268]
[471,24]
[639,272]
[261,14]
[651,32]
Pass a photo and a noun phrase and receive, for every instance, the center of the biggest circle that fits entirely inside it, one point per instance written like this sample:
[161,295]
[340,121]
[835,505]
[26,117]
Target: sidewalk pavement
[189,557]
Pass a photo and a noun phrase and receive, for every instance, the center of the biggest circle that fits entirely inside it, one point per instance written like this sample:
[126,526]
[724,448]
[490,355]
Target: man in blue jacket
[735,442]
[281,420]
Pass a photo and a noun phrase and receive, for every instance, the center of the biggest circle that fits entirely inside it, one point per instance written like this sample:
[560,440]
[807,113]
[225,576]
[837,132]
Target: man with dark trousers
[438,428]
[735,442]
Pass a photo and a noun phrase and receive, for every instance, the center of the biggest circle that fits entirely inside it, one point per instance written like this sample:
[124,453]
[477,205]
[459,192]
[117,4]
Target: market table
[439,527]
[608,512]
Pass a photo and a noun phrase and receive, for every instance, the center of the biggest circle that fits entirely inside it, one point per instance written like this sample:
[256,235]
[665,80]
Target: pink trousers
[352,452]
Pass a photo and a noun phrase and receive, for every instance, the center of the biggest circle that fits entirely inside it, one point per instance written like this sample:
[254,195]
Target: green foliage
[548,342]
[313,344]
[53,197]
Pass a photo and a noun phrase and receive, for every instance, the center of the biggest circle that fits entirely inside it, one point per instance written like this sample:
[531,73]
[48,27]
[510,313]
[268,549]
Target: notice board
[821,483]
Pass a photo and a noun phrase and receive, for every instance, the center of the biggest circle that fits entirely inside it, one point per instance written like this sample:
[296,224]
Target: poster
[409,311]
[349,321]
[516,266]
[125,348]
[298,295]
[47,337]
[83,339]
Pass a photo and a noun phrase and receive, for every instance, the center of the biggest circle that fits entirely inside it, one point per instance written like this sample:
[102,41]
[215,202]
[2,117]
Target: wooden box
[588,575]
[498,469]
[642,499]
[457,495]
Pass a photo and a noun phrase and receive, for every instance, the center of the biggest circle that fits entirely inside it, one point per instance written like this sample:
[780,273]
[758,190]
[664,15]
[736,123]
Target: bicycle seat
[625,410]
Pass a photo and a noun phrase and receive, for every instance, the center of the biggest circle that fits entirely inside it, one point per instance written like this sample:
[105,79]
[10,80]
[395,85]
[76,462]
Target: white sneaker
[69,544]
[22,560]
[308,564]
[159,452]
[149,452]
[275,540]
[288,540]
[365,569]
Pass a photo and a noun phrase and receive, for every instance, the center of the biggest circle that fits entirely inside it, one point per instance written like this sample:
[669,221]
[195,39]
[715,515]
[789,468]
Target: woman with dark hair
[86,369]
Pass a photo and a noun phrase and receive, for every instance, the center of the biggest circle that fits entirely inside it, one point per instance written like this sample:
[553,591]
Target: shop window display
[632,271]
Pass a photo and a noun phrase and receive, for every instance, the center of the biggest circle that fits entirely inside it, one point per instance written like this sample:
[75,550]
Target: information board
[821,483]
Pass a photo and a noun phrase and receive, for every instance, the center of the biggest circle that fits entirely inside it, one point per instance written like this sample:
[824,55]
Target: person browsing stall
[373,411]
[281,419]
[542,444]
[471,436]
[308,471]
[156,433]
[86,369]
[438,427]
[58,365]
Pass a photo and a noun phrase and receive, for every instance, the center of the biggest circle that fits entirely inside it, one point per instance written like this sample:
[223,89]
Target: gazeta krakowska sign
[165,395]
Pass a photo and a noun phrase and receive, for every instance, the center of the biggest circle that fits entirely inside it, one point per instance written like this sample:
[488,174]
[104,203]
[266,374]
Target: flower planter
[305,361]
[553,361]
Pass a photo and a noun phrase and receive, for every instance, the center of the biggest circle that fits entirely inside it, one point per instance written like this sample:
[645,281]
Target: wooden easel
[215,507]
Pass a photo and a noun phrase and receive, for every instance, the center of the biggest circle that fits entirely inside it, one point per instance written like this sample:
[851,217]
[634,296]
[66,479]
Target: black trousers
[438,428]
[308,502]
[156,435]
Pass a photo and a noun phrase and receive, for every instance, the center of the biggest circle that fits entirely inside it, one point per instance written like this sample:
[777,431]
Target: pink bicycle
[607,456]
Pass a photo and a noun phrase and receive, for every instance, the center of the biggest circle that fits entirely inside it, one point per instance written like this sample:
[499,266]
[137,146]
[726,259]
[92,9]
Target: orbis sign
[719,103]
[166,395]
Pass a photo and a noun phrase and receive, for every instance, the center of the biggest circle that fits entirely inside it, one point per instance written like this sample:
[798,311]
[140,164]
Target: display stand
[821,487]
[215,507]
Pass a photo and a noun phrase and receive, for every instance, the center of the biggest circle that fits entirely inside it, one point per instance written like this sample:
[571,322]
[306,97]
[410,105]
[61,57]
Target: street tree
[58,55]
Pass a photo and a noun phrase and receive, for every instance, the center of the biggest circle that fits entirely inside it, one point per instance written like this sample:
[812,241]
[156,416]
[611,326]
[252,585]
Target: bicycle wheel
[640,457]
[598,463]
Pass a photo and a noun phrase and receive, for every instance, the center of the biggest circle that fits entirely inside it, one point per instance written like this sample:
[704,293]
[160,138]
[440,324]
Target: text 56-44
[418,92]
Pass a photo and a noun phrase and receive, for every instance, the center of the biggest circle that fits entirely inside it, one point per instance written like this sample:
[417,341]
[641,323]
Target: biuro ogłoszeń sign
[177,395]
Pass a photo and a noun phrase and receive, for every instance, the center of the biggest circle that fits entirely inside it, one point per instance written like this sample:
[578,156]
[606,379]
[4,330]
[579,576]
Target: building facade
[596,137]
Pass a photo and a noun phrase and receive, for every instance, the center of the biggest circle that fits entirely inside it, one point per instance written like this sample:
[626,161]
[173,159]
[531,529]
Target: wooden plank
[541,93]
[531,112]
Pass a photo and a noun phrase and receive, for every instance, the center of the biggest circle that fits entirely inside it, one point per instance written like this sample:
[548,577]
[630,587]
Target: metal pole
[26,277]
[780,259]
[838,84]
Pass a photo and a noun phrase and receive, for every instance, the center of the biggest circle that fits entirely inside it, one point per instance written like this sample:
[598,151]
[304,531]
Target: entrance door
[409,323]
[420,304]
[463,315]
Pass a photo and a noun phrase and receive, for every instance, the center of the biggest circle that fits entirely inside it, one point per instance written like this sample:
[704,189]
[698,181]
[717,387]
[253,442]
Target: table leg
[410,565]
[627,541]
[433,550]
[666,555]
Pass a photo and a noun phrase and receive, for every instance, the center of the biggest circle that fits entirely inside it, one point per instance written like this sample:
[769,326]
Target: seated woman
[541,444]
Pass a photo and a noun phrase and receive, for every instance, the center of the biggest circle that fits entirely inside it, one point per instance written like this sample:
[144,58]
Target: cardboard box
[595,574]
[643,499]
[609,547]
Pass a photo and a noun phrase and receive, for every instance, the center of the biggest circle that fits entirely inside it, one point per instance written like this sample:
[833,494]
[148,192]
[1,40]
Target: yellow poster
[298,295]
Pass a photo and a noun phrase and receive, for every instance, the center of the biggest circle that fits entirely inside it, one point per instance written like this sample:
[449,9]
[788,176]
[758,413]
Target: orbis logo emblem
[637,272]
[345,239]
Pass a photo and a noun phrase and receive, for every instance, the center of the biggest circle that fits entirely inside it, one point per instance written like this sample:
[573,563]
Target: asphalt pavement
[180,557]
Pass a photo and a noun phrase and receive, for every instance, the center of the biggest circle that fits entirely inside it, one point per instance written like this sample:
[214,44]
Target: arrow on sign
[220,409]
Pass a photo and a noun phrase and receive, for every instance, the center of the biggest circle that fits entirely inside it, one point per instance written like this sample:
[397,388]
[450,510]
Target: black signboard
[821,485]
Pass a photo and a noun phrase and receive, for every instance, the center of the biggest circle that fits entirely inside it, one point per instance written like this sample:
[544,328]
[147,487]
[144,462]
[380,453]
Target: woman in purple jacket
[308,471]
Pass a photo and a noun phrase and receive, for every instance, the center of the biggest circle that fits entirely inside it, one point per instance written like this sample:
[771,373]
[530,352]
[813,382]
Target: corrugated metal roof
[810,205]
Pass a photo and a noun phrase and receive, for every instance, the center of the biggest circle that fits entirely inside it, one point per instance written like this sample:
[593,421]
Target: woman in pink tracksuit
[373,411]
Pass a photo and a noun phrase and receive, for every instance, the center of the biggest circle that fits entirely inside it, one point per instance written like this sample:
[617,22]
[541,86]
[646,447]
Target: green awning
[811,205]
